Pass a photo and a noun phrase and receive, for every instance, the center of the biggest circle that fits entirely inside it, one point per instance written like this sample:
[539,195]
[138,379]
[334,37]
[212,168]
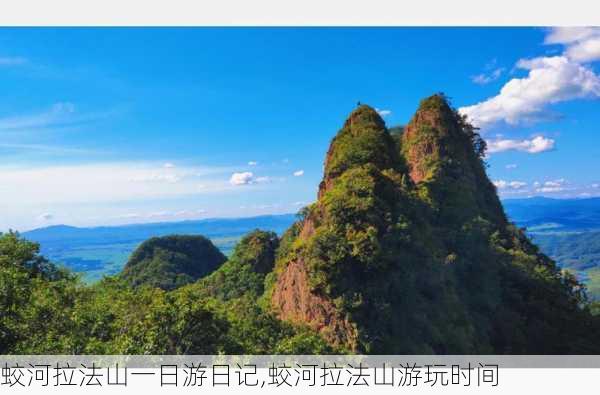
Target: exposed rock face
[408,251]
[444,156]
[295,301]
[363,143]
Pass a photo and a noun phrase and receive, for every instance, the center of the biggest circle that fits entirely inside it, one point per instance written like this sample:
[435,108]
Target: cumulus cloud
[252,163]
[552,186]
[549,80]
[582,43]
[521,100]
[243,178]
[247,178]
[533,146]
[168,165]
[502,184]
[383,113]
[298,173]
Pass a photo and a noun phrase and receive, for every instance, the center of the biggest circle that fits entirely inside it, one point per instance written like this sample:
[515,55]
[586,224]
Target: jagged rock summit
[444,155]
[407,250]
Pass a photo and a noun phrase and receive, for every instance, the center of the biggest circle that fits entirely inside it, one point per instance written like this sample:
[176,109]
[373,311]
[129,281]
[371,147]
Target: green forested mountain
[407,250]
[169,262]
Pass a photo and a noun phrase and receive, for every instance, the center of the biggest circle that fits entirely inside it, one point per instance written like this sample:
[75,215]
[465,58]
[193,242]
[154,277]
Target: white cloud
[569,35]
[12,61]
[45,217]
[555,183]
[252,163]
[511,166]
[169,165]
[502,184]
[298,173]
[486,78]
[555,186]
[533,146]
[582,43]
[241,178]
[552,186]
[595,185]
[246,178]
[550,80]
[383,113]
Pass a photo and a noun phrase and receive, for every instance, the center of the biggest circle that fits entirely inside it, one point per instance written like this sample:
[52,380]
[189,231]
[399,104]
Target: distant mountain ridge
[96,251]
[568,230]
[209,226]
[563,214]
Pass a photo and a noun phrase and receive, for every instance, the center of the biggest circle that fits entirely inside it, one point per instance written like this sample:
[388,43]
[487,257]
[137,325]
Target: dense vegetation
[407,250]
[98,251]
[169,262]
[413,250]
[577,251]
[47,310]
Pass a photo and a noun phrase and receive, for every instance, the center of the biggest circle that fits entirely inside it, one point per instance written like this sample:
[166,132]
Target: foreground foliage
[45,310]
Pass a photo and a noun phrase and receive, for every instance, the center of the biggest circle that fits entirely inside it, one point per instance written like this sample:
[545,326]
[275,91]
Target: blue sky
[112,126]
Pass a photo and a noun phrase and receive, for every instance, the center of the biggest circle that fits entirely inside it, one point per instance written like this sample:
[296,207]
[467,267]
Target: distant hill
[567,230]
[169,262]
[97,251]
[541,214]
